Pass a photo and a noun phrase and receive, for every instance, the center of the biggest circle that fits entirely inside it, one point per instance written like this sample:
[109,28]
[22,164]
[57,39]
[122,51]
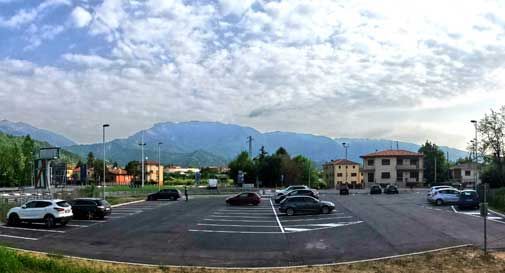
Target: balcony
[367,168]
[407,167]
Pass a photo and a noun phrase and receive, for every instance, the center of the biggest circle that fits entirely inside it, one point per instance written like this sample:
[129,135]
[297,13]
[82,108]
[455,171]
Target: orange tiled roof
[342,162]
[392,153]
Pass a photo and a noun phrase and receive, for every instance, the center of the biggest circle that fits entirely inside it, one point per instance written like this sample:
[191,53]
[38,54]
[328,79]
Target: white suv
[49,212]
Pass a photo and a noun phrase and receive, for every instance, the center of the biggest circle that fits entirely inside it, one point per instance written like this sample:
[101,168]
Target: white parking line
[237,216]
[18,237]
[276,217]
[233,231]
[315,219]
[34,229]
[253,226]
[245,221]
[90,221]
[80,226]
[243,213]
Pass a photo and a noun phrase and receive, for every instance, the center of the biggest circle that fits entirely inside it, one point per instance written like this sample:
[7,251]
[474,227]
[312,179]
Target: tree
[133,169]
[434,154]
[90,160]
[491,129]
[243,163]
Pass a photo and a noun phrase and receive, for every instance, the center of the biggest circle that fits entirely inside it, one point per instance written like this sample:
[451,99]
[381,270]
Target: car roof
[47,200]
[297,196]
[468,190]
[88,198]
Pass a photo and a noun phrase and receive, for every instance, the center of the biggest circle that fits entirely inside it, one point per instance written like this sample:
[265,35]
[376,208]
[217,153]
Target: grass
[4,208]
[463,260]
[497,200]
[114,200]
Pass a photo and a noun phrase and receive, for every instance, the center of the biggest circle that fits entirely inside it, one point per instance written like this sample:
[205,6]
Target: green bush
[497,200]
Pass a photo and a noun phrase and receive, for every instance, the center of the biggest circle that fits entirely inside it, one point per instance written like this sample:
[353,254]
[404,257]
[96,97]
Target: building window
[339,174]
[353,174]
[386,162]
[385,175]
[468,173]
[399,176]
[340,167]
[399,161]
[413,162]
[414,175]
[354,167]
[370,177]
[370,162]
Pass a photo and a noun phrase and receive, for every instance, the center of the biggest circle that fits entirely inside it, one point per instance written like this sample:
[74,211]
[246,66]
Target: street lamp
[345,145]
[142,144]
[103,186]
[475,123]
[159,165]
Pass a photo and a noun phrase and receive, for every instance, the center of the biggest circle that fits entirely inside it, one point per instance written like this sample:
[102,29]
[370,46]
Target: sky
[403,70]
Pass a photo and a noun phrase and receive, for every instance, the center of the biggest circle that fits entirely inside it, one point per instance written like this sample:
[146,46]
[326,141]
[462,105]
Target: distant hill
[197,143]
[9,141]
[23,129]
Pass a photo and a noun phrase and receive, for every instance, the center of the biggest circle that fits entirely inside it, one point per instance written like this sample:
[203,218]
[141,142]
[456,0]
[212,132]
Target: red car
[244,198]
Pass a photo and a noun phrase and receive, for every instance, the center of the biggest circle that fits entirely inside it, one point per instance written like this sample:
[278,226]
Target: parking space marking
[221,225]
[34,229]
[18,237]
[317,219]
[90,221]
[237,216]
[276,217]
[233,231]
[230,220]
[80,226]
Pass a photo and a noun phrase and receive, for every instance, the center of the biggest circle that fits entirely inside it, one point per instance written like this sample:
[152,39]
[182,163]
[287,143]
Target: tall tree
[434,155]
[491,129]
[243,163]
[90,160]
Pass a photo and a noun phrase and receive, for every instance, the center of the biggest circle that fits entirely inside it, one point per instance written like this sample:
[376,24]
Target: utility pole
[104,166]
[346,145]
[476,153]
[142,144]
[250,140]
[159,165]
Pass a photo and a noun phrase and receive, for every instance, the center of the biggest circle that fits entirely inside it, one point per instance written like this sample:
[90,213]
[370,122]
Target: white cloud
[81,17]
[358,69]
[23,17]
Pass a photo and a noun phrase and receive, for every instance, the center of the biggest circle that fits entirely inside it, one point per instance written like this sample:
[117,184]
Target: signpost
[484,213]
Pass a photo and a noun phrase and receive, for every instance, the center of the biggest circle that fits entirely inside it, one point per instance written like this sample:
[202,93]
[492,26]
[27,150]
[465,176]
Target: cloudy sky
[405,70]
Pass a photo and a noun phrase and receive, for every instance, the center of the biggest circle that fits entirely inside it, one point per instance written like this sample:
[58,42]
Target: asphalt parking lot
[206,232]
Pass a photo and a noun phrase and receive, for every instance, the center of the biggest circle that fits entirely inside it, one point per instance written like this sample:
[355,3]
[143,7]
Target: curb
[128,203]
[245,268]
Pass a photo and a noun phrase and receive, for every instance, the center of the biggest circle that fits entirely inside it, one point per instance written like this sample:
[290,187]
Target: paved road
[206,232]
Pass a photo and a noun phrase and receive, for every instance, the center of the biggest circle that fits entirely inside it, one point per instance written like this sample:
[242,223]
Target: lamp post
[476,143]
[103,186]
[345,145]
[159,165]
[142,144]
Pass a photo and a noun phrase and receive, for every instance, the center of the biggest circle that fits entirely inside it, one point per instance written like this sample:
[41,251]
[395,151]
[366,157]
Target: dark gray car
[305,204]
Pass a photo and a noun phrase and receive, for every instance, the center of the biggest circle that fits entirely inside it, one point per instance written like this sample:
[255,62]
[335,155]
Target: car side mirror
[23,206]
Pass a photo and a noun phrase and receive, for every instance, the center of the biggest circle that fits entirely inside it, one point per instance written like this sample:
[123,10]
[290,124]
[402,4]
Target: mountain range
[197,143]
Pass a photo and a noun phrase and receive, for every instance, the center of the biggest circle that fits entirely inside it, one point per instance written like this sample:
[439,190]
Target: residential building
[400,167]
[118,176]
[342,171]
[465,173]
[153,172]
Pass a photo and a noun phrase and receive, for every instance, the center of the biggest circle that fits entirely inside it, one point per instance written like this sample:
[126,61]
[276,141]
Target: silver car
[445,196]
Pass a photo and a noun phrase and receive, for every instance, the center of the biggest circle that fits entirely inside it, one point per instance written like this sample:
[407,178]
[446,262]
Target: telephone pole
[142,144]
[346,145]
[249,141]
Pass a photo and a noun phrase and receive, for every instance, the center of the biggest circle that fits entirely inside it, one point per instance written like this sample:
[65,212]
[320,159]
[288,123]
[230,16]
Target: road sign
[49,153]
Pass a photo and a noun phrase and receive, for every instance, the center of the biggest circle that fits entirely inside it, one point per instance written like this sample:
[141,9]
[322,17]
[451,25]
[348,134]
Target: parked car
[90,208]
[445,196]
[244,198]
[49,212]
[468,199]
[375,189]
[434,189]
[391,189]
[305,204]
[344,189]
[290,188]
[171,194]
[303,192]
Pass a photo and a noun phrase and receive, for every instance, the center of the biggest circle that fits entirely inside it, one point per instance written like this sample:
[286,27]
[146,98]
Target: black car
[305,204]
[170,194]
[375,189]
[244,198]
[391,189]
[468,199]
[90,208]
[344,190]
[303,192]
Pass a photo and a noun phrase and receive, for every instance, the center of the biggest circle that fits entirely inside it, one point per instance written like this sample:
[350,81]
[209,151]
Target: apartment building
[342,171]
[466,174]
[399,167]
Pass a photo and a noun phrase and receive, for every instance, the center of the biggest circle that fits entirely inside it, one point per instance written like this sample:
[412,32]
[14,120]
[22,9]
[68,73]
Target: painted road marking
[277,217]
[233,231]
[236,216]
[229,220]
[91,221]
[221,225]
[316,219]
[80,226]
[18,237]
[34,229]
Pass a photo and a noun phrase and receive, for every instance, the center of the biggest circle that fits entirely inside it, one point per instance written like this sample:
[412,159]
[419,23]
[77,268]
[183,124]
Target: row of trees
[277,169]
[16,160]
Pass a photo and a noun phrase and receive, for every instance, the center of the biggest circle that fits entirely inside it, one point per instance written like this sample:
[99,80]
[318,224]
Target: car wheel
[325,210]
[13,220]
[439,202]
[49,221]
[290,212]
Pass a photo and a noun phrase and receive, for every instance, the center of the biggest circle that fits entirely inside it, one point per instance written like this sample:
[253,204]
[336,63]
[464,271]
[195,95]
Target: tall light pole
[159,165]
[142,144]
[103,186]
[475,123]
[346,145]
